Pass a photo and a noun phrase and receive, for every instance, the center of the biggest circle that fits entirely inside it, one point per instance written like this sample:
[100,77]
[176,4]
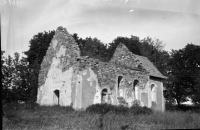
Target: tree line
[182,67]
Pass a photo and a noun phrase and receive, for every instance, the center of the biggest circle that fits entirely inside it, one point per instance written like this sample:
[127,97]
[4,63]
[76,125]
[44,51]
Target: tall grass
[20,117]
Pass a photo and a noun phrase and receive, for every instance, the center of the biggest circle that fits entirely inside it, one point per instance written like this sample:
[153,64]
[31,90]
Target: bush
[136,110]
[100,108]
[122,101]
[182,107]
[121,110]
[10,109]
[136,103]
[169,106]
[107,108]
[153,105]
[31,106]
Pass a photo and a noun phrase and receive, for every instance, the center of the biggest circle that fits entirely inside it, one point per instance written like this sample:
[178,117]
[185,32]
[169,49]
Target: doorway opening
[57,96]
[104,95]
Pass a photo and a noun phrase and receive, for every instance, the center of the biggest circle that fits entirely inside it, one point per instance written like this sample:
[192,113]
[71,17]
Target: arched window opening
[104,95]
[140,66]
[120,92]
[152,86]
[57,96]
[135,83]
[119,80]
[153,93]
[136,89]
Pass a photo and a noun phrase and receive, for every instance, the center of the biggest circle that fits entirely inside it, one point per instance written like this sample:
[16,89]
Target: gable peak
[122,47]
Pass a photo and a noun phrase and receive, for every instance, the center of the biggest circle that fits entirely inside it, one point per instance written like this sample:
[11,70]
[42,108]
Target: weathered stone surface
[57,69]
[66,78]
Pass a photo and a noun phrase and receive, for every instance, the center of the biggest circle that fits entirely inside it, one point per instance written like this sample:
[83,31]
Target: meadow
[34,117]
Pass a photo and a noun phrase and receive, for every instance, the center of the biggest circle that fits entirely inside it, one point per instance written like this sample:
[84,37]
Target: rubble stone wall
[89,88]
[80,79]
[57,69]
[107,76]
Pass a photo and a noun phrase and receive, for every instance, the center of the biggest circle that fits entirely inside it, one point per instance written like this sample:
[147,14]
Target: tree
[94,48]
[14,78]
[133,44]
[154,51]
[38,47]
[22,85]
[79,41]
[184,73]
[7,79]
[191,54]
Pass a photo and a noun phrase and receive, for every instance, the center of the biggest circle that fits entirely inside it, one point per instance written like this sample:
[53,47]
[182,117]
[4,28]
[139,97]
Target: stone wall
[80,79]
[64,48]
[125,58]
[107,76]
[108,72]
[57,69]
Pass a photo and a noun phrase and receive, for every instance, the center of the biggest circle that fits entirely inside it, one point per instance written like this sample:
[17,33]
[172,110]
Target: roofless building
[66,78]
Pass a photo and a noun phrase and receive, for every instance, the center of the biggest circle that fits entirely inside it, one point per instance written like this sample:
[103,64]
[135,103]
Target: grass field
[23,117]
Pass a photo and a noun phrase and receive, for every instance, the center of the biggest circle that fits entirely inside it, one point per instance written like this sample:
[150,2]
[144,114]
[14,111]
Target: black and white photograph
[100,64]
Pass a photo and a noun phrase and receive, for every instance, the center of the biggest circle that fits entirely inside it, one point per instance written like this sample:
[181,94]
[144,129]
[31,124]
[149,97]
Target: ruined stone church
[68,79]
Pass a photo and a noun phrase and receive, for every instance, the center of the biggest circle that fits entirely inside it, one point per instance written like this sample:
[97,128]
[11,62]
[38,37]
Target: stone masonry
[68,79]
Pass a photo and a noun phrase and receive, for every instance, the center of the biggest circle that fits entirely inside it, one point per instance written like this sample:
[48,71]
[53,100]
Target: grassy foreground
[22,117]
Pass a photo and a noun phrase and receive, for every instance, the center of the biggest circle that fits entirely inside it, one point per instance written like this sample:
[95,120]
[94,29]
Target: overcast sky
[175,22]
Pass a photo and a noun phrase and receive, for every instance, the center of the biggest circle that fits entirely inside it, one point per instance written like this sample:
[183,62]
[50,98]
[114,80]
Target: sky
[174,22]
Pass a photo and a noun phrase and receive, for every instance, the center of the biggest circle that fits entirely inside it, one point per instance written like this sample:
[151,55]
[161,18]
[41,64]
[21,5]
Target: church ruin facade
[68,79]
